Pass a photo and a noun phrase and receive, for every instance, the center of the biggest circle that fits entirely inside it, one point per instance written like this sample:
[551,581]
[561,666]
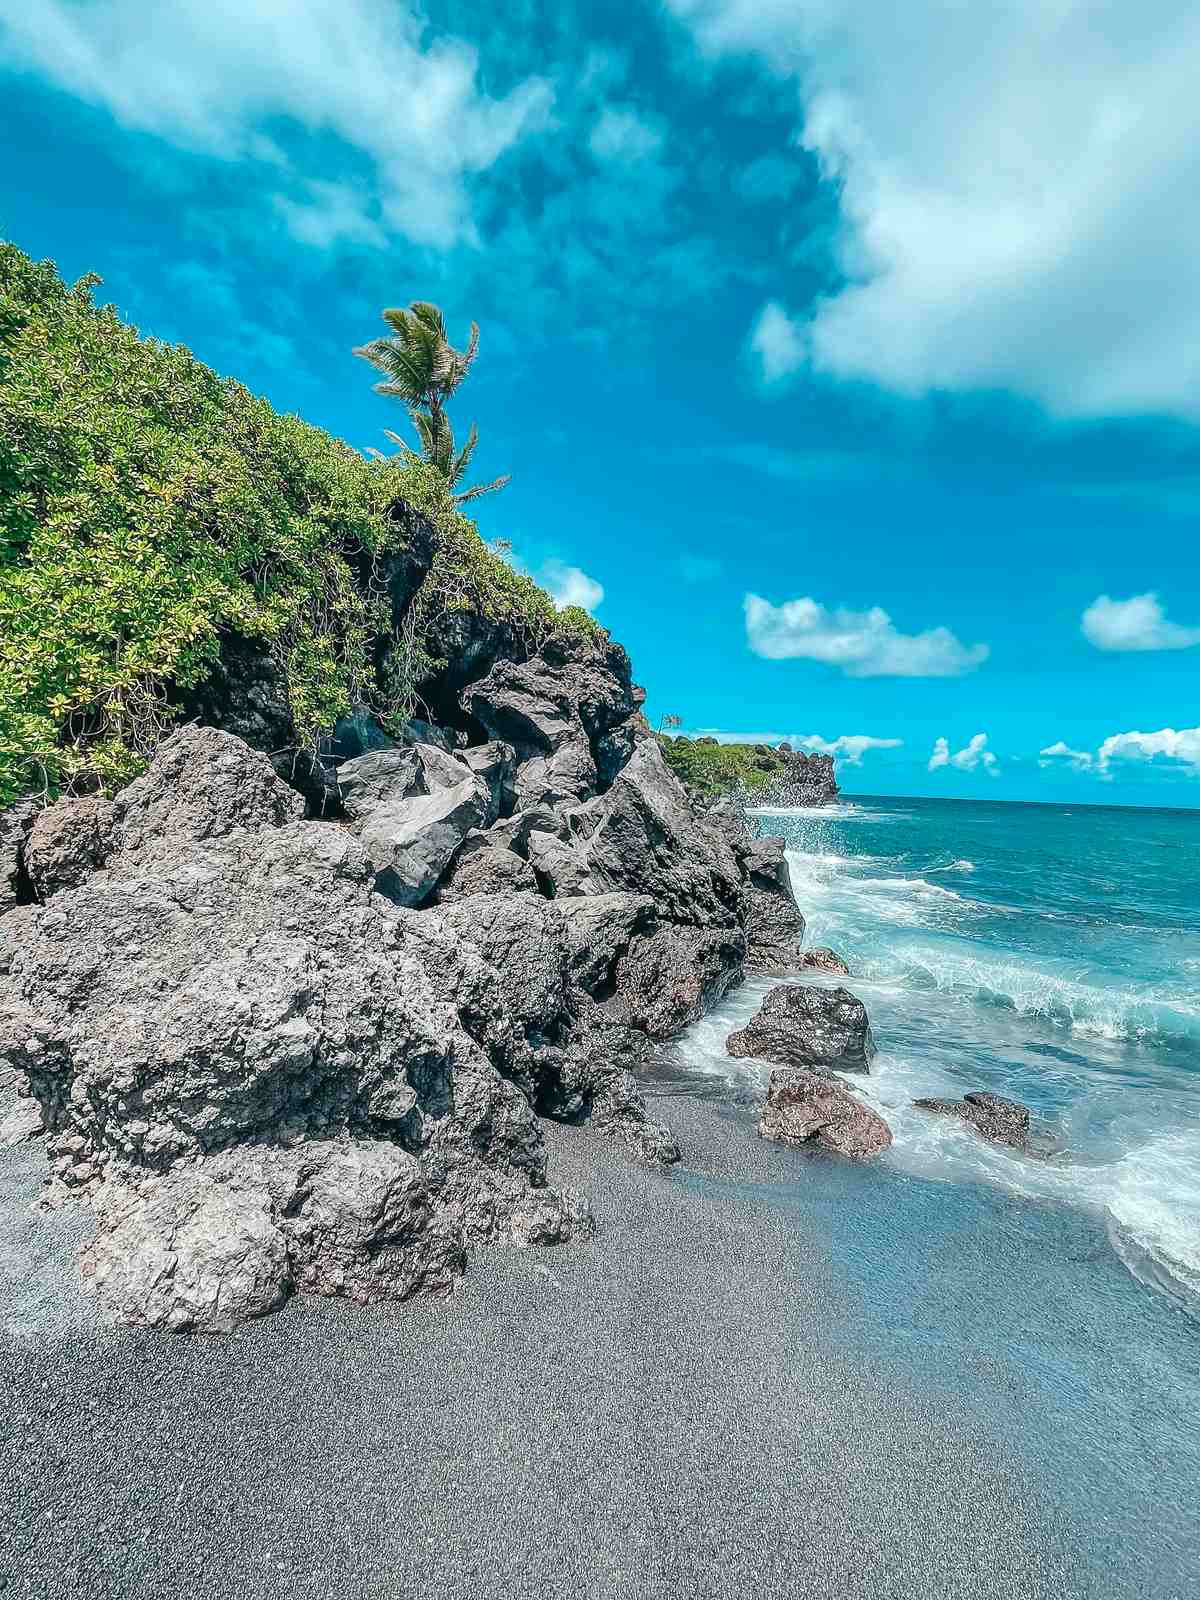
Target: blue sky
[846,357]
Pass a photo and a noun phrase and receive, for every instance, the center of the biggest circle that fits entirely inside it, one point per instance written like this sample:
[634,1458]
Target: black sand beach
[663,1411]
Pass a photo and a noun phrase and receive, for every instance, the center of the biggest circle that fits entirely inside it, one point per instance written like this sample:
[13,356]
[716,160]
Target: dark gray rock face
[203,785]
[825,1030]
[412,808]
[668,978]
[15,824]
[481,867]
[807,780]
[774,924]
[559,870]
[820,958]
[643,837]
[496,764]
[67,842]
[571,714]
[805,1108]
[1005,1121]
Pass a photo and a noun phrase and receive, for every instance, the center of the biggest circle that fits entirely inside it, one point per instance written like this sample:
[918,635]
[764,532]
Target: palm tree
[423,369]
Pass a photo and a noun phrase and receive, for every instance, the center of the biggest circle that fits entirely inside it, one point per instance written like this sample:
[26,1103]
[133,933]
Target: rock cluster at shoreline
[280,1054]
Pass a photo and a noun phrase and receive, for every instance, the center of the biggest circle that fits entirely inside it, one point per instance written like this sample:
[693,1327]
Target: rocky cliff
[280,1052]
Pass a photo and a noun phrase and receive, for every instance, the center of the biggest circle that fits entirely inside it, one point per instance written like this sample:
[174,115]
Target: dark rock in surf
[1003,1121]
[806,1108]
[825,1030]
[820,958]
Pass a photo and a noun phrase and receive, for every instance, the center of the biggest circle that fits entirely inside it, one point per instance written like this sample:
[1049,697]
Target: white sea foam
[1150,1195]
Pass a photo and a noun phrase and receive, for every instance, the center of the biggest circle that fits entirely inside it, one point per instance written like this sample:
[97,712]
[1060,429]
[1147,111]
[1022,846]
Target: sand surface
[666,1411]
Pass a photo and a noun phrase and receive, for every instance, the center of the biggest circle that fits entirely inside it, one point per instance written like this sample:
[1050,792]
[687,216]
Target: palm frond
[463,459]
[482,489]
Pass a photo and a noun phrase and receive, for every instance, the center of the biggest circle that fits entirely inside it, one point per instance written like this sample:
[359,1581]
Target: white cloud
[1060,750]
[620,134]
[209,75]
[778,342]
[864,644]
[569,586]
[850,747]
[1135,624]
[1182,746]
[1010,181]
[973,754]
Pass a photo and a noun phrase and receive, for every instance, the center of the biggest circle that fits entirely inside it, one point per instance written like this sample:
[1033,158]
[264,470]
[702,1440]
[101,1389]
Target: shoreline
[667,1409]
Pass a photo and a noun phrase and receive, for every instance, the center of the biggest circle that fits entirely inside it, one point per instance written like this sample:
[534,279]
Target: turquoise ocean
[1051,954]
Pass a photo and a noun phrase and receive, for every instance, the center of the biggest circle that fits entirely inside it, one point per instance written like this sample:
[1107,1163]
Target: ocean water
[1051,954]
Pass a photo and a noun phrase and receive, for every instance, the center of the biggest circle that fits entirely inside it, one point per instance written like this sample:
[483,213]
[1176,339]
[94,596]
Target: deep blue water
[1051,953]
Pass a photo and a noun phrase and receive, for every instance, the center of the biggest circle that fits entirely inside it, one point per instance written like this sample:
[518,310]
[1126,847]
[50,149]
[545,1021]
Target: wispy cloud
[974,753]
[223,77]
[849,747]
[569,586]
[777,343]
[1008,181]
[621,134]
[1060,751]
[863,644]
[1139,623]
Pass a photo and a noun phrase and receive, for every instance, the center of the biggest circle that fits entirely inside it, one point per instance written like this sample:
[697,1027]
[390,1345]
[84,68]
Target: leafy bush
[147,505]
[717,768]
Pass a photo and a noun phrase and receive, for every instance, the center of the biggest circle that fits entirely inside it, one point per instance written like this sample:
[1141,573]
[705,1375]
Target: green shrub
[717,768]
[147,506]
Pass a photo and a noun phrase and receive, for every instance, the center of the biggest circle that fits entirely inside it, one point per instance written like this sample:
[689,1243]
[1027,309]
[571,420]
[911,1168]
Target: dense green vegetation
[712,768]
[147,505]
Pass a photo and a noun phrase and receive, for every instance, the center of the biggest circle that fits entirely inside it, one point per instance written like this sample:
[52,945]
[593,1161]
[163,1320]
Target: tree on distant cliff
[423,369]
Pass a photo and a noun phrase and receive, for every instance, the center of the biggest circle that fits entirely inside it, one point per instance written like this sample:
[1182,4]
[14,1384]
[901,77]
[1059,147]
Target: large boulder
[825,1030]
[666,979]
[654,976]
[203,785]
[806,1108]
[412,808]
[774,924]
[1004,1121]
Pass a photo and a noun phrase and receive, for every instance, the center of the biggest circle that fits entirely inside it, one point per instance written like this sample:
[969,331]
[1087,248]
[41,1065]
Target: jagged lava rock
[643,837]
[1004,1121]
[820,958]
[412,809]
[480,866]
[15,825]
[774,924]
[211,993]
[806,1108]
[797,1025]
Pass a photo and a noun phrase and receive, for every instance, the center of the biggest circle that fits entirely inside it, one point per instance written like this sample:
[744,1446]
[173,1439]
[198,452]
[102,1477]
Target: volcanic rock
[825,1030]
[820,958]
[1005,1121]
[807,1108]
